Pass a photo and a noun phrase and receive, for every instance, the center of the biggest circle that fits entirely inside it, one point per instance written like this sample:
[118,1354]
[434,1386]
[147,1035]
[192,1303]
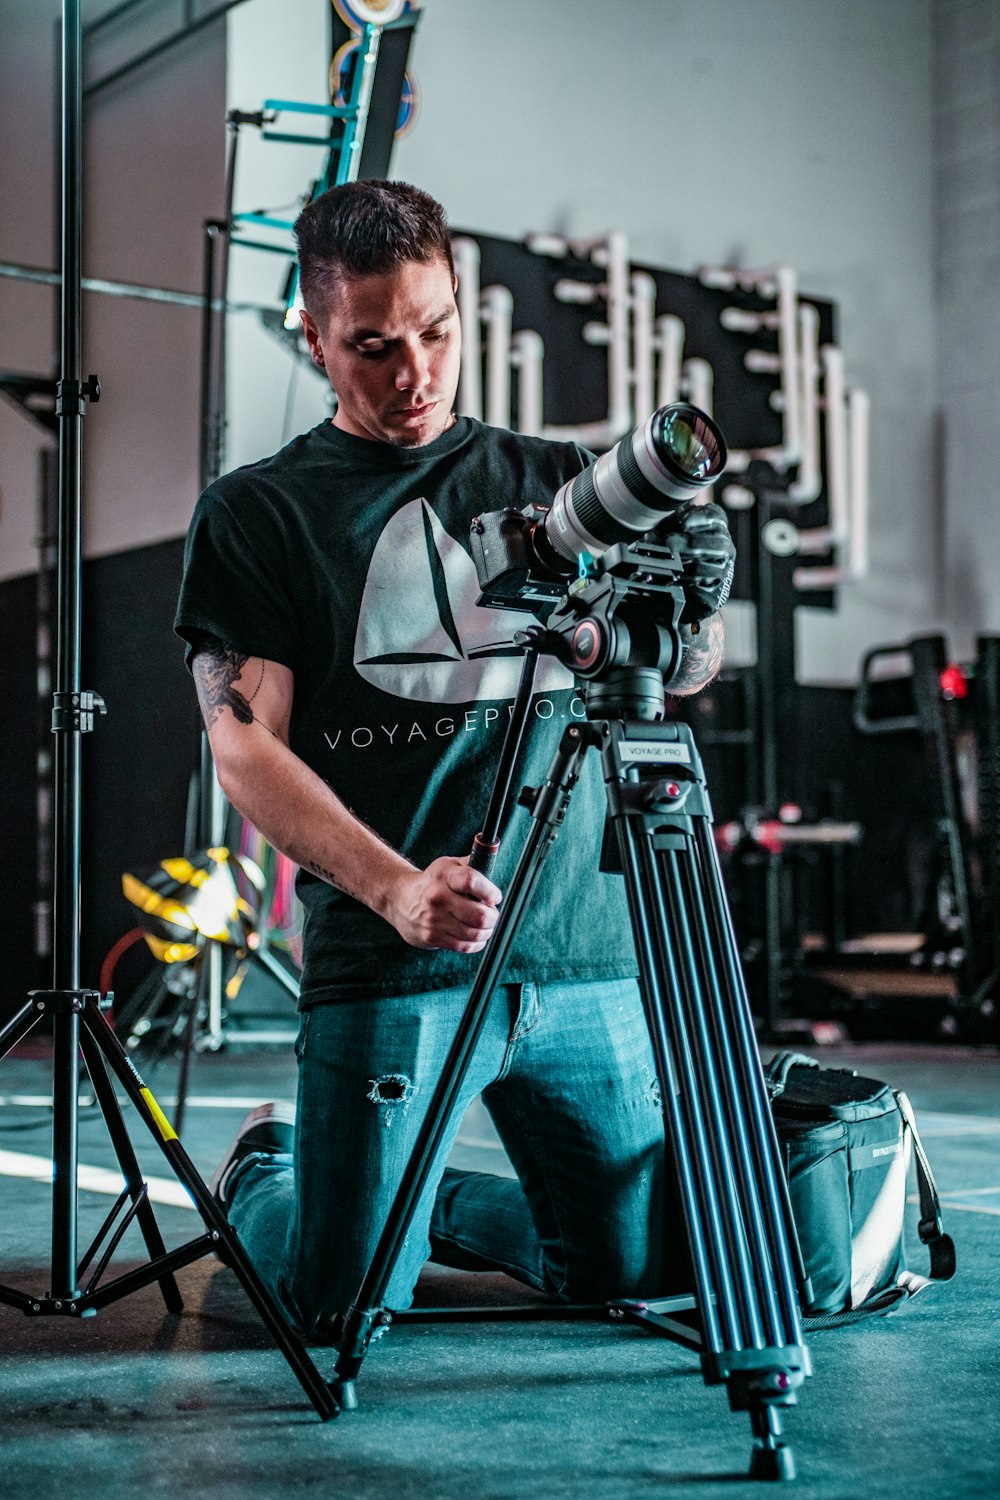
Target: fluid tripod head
[617,625]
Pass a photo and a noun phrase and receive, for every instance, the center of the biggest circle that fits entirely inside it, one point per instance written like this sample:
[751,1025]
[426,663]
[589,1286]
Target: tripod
[743,1318]
[75,1011]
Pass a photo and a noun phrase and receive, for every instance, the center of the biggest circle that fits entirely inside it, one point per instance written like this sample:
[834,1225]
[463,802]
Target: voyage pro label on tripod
[654,750]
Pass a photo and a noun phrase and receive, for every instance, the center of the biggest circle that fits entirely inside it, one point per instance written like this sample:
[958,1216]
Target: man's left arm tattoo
[703,653]
[216,668]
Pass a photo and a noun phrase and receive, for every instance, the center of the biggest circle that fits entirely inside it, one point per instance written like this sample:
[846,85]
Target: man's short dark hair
[366,229]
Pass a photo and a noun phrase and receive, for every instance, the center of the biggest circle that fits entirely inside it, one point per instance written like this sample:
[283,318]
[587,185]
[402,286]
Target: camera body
[512,561]
[524,558]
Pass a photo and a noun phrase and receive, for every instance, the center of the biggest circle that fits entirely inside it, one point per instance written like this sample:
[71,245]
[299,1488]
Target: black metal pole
[66,844]
[215,292]
[684,1141]
[206,434]
[69,410]
[75,1012]
[768,1155]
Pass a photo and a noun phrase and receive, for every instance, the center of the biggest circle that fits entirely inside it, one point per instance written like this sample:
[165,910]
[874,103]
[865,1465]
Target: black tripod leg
[367,1309]
[762,1359]
[674,1064]
[729,1035]
[771,1457]
[17,1028]
[702,1036]
[194,1001]
[125,1152]
[737,1018]
[215,1220]
[697,998]
[134,1017]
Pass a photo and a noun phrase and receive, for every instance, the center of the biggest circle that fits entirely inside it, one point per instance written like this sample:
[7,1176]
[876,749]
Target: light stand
[75,1011]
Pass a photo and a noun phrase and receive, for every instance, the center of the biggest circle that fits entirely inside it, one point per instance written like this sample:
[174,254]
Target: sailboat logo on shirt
[421,634]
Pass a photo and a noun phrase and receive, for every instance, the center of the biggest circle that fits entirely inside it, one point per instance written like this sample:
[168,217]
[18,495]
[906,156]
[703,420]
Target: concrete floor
[202,1405]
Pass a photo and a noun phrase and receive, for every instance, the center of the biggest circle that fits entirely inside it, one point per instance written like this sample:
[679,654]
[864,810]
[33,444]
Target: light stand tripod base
[103,1049]
[76,1017]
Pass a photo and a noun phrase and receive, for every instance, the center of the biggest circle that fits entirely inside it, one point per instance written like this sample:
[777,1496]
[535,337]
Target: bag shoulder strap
[781,1064]
[940,1246]
[904,1289]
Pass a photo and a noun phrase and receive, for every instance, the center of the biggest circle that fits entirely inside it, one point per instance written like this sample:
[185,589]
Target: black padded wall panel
[136,763]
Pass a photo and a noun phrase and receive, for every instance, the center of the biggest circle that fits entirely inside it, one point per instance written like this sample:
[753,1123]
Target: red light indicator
[953,683]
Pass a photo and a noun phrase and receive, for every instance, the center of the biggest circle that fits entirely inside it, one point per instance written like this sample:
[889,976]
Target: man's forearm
[247,704]
[298,814]
[703,653]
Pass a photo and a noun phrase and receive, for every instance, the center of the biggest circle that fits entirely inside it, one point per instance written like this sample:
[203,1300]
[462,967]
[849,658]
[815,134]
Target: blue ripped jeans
[567,1075]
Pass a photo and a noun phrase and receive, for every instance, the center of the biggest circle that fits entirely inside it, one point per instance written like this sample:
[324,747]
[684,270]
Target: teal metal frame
[344,155]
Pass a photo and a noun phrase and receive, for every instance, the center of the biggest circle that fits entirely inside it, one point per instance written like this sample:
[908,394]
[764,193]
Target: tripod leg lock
[62,1002]
[74,713]
[72,396]
[758,1377]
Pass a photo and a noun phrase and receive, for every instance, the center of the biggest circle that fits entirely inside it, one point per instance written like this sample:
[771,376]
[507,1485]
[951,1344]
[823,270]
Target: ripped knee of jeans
[392,1093]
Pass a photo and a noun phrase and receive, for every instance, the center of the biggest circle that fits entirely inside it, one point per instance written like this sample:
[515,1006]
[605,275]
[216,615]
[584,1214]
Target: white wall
[967,160]
[28,229]
[711,130]
[277,49]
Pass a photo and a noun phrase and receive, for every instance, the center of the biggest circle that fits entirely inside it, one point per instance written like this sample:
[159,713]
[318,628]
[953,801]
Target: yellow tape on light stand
[163,1125]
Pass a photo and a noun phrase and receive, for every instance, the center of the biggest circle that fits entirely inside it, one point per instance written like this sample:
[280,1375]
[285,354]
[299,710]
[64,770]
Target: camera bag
[846,1143]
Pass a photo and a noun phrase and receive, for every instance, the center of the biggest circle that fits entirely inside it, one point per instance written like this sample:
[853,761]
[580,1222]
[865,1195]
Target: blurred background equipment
[190,909]
[950,962]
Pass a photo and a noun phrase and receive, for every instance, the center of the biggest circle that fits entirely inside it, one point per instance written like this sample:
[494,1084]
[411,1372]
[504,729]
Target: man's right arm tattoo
[702,660]
[216,667]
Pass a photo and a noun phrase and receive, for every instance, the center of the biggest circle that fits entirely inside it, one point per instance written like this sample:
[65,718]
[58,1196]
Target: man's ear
[312,334]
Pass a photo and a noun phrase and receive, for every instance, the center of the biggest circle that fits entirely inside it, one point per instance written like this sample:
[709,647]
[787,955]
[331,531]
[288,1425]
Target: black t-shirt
[348,561]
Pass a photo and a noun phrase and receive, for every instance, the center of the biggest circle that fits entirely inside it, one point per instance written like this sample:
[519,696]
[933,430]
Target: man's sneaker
[269,1127]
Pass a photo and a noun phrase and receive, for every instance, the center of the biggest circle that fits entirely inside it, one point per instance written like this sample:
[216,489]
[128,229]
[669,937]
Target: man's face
[391,347]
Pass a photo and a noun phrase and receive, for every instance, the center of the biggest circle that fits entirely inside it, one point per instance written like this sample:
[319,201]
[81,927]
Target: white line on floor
[170,1192]
[950,1201]
[109,1182]
[93,1179]
[933,1124]
[969,1192]
[196,1101]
